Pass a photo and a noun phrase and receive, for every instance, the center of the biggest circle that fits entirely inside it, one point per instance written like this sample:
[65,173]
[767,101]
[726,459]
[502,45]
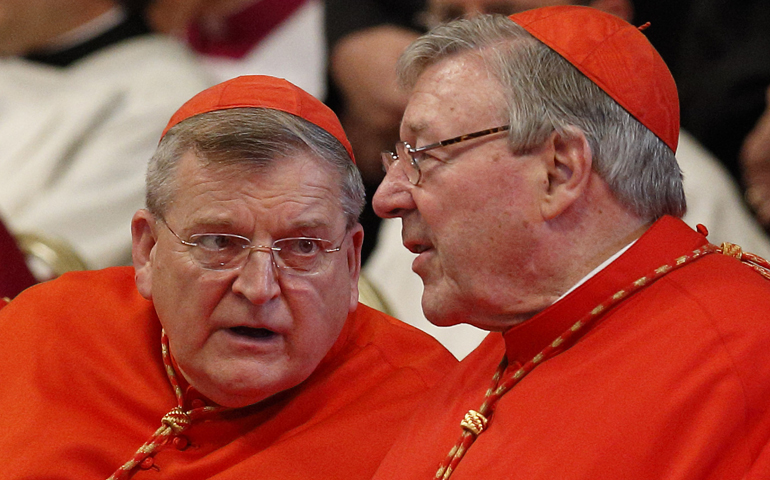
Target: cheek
[479,236]
[319,308]
[185,298]
[328,298]
[313,336]
[317,339]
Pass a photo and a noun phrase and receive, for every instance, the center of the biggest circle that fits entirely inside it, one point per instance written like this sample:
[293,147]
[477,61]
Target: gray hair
[545,93]
[249,136]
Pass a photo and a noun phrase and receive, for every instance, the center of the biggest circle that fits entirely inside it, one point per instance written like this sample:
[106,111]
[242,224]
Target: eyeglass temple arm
[461,138]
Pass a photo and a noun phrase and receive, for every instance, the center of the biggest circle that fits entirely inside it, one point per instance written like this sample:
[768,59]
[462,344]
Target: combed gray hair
[249,136]
[545,93]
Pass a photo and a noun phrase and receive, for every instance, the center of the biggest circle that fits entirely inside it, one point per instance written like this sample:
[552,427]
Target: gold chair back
[48,257]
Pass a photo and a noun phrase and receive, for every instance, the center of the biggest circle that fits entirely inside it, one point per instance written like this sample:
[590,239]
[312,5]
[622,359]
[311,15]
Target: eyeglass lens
[304,256]
[408,162]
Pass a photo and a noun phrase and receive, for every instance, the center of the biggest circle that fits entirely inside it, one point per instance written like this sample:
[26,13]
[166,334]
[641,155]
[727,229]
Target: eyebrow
[206,223]
[309,224]
[207,226]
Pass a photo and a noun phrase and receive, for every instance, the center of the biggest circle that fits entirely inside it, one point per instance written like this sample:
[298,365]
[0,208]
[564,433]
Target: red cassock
[672,382]
[83,387]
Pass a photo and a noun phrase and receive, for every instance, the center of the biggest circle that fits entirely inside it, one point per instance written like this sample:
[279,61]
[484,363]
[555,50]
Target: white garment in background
[75,141]
[389,269]
[713,200]
[294,50]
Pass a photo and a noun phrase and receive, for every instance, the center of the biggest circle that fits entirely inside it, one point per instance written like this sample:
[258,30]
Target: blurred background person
[755,164]
[364,40]
[722,70]
[85,87]
[282,38]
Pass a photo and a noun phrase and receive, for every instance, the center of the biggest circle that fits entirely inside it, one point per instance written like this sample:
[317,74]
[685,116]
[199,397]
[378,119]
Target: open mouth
[252,332]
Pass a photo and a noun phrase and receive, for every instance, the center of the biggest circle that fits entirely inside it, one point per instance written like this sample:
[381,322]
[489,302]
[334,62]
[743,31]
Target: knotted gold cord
[177,419]
[757,263]
[173,423]
[474,422]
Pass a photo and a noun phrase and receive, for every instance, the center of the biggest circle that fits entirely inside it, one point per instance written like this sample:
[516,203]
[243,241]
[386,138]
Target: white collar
[596,270]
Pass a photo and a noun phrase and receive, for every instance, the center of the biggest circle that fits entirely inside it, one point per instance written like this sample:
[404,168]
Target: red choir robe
[673,382]
[83,387]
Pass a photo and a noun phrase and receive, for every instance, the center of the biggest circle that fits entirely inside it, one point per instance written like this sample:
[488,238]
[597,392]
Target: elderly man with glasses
[623,344]
[236,347]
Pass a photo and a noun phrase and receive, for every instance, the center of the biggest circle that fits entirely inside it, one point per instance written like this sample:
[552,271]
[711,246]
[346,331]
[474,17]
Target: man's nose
[393,197]
[257,280]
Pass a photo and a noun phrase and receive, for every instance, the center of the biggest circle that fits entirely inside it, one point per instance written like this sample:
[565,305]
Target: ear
[144,239]
[568,164]
[620,8]
[354,262]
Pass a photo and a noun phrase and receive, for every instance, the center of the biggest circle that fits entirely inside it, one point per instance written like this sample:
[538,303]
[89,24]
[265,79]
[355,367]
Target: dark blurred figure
[14,274]
[667,23]
[723,70]
[362,86]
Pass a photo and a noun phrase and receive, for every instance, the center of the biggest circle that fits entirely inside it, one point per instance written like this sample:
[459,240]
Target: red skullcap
[261,91]
[617,57]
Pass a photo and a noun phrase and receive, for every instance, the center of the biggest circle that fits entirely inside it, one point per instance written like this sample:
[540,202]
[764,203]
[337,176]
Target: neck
[572,245]
[591,231]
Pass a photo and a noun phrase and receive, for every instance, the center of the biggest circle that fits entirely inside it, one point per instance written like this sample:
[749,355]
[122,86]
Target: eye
[421,157]
[301,246]
[217,242]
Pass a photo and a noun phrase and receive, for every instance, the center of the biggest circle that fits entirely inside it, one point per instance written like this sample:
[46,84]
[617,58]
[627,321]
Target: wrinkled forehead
[299,161]
[287,179]
[456,95]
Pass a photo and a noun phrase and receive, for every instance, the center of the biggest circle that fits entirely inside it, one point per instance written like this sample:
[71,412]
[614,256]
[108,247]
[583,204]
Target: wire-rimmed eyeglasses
[406,151]
[224,251]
